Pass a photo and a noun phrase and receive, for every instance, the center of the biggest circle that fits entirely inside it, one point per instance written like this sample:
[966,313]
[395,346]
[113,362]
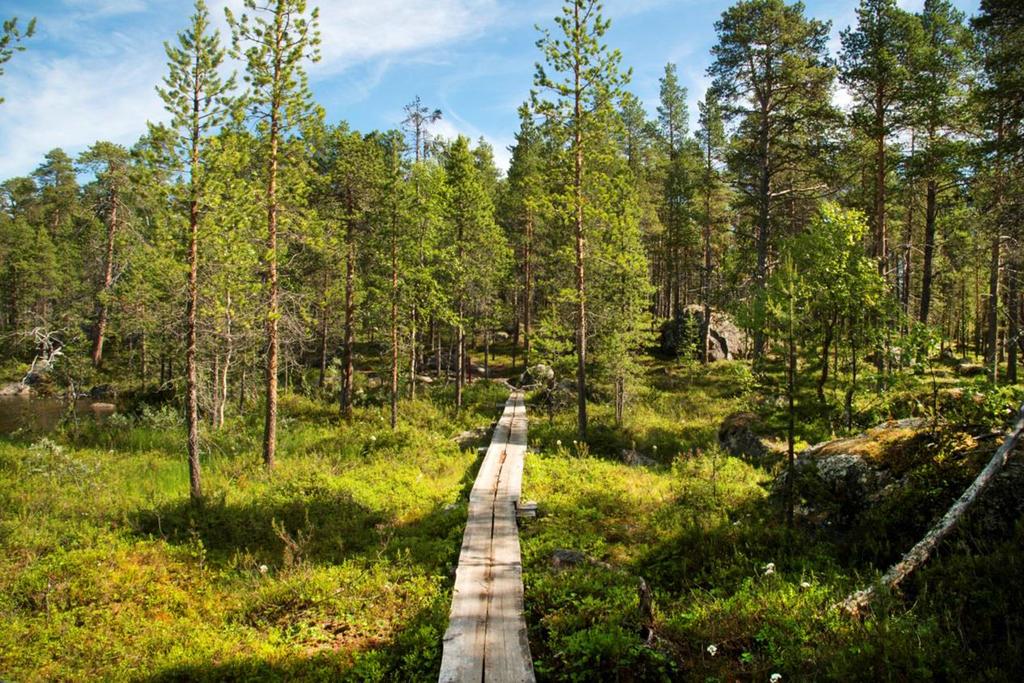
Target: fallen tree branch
[857,603]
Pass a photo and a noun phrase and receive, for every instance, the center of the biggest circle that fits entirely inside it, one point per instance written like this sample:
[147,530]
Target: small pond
[40,415]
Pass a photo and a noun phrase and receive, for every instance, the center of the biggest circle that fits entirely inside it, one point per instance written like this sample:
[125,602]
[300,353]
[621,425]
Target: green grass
[335,566]
[701,530]
[338,565]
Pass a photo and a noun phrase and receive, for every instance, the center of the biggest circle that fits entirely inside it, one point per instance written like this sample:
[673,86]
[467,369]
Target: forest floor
[338,565]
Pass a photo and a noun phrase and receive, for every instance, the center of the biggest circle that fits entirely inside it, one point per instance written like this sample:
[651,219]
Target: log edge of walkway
[486,637]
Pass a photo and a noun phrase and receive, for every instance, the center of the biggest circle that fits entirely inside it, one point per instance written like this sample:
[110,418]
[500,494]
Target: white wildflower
[264,569]
[769,569]
[805,584]
[559,443]
[712,650]
[775,678]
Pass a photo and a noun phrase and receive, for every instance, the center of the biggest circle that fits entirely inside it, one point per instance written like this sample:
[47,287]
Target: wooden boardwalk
[486,636]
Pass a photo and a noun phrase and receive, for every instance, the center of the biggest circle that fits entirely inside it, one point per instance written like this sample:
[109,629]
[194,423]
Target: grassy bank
[337,565]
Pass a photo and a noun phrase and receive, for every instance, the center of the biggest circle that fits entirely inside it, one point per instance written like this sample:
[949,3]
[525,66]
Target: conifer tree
[198,100]
[278,38]
[524,201]
[771,71]
[588,83]
[711,138]
[110,164]
[479,252]
[1000,29]
[936,110]
[11,37]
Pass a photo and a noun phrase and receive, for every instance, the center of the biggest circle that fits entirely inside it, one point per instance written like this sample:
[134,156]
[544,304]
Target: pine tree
[1000,28]
[110,164]
[10,41]
[523,207]
[480,254]
[279,38]
[875,67]
[711,139]
[936,109]
[589,83]
[771,70]
[197,99]
[673,115]
[417,121]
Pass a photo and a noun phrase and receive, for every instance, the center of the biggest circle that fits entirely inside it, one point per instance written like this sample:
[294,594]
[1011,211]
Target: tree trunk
[931,211]
[527,288]
[270,423]
[1014,306]
[825,346]
[412,353]
[394,327]
[791,423]
[143,360]
[228,355]
[108,280]
[487,354]
[191,378]
[324,319]
[581,300]
[992,332]
[881,236]
[348,351]
[858,602]
[705,279]
[763,227]
[460,374]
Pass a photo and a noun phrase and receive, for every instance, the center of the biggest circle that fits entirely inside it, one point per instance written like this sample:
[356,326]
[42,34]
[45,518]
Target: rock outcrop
[902,469]
[736,436]
[726,340]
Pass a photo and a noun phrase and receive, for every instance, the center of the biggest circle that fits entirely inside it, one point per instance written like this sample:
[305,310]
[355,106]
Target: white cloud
[103,88]
[71,103]
[354,31]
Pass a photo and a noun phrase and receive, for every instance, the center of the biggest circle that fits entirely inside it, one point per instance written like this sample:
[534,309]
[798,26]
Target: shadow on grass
[318,527]
[305,521]
[413,653]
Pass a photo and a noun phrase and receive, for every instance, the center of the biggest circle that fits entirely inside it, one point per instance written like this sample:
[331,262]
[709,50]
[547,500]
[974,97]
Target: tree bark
[394,327]
[1013,323]
[881,236]
[191,378]
[931,210]
[763,218]
[270,421]
[108,280]
[324,319]
[581,299]
[527,288]
[992,331]
[348,351]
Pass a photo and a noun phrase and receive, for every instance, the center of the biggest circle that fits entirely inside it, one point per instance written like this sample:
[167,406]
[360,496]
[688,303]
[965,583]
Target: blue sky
[90,71]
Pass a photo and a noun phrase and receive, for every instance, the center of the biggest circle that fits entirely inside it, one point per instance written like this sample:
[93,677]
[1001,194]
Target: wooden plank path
[486,636]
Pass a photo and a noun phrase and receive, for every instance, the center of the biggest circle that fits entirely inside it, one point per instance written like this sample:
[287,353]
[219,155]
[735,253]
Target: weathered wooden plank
[486,635]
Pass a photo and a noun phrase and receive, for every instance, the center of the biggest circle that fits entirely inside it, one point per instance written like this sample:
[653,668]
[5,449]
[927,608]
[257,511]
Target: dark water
[42,415]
